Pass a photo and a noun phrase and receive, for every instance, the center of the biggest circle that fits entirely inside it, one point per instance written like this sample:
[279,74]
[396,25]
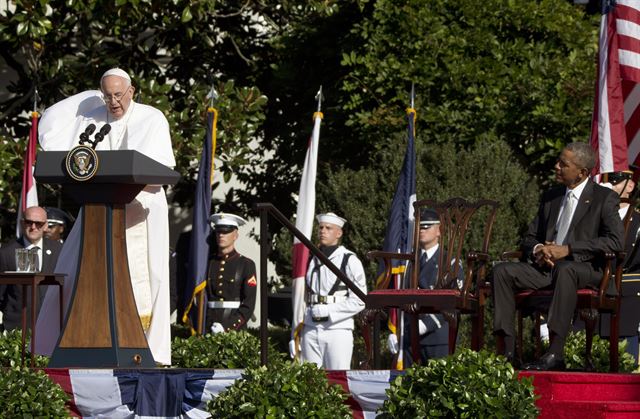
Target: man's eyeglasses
[116,96]
[426,227]
[38,224]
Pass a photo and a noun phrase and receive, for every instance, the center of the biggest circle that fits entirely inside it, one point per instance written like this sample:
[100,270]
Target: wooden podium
[102,327]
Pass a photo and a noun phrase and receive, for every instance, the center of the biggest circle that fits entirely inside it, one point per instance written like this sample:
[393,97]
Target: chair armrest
[383,281]
[379,254]
[512,254]
[608,272]
[610,258]
[476,263]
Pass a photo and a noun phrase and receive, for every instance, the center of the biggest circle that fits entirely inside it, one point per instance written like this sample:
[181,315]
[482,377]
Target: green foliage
[11,350]
[521,69]
[11,156]
[175,51]
[467,384]
[27,393]
[223,350]
[281,390]
[574,353]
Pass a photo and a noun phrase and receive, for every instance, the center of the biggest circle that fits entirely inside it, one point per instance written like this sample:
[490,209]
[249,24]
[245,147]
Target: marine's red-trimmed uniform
[232,278]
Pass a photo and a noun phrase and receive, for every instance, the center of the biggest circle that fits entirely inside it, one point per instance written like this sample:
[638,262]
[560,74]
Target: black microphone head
[105,129]
[84,137]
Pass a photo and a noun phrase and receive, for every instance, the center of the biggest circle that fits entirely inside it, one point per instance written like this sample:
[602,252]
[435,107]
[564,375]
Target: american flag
[615,130]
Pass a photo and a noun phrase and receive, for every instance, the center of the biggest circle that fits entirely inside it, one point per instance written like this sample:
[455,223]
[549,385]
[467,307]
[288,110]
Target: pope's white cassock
[145,129]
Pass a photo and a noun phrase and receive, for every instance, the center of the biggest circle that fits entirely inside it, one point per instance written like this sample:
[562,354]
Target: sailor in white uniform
[327,335]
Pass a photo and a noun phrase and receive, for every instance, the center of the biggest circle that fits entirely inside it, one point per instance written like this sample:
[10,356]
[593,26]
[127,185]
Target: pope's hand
[217,328]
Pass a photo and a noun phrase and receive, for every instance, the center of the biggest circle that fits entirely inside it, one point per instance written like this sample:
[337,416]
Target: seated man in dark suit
[563,248]
[34,223]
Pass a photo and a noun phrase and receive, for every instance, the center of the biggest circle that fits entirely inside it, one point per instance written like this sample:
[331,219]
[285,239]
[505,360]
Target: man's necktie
[423,261]
[565,219]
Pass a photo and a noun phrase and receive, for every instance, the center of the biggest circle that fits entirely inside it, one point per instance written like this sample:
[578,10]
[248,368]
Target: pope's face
[117,95]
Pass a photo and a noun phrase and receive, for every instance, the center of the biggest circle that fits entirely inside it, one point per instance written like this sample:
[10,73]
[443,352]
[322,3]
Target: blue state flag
[399,233]
[195,287]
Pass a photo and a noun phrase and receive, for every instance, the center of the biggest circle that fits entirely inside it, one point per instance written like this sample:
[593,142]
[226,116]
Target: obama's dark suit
[594,229]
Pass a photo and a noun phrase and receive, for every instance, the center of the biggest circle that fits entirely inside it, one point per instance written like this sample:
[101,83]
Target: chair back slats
[456,216]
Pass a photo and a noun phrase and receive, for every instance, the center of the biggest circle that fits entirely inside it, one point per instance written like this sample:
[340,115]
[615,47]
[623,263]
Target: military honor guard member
[231,283]
[327,335]
[59,222]
[624,185]
[432,328]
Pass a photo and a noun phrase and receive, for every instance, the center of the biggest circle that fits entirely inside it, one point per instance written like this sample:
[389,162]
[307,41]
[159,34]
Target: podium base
[101,358]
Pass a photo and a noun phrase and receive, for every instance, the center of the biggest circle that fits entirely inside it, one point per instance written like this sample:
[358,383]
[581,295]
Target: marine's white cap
[331,218]
[226,221]
[116,72]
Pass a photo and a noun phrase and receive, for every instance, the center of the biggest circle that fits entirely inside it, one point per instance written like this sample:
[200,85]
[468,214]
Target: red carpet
[586,395]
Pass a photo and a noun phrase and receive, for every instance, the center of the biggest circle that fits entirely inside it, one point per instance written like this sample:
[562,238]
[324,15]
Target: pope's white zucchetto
[116,72]
[331,218]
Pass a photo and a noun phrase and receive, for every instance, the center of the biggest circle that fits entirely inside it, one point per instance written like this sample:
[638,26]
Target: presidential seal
[81,163]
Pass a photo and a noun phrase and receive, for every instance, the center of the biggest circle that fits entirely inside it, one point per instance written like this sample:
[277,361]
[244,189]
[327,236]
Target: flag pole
[319,98]
[213,97]
[198,263]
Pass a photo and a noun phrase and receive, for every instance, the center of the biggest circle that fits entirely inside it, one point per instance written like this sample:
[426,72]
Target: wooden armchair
[448,298]
[591,303]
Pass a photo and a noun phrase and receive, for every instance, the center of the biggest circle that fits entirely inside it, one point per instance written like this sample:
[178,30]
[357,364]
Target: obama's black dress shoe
[513,360]
[547,362]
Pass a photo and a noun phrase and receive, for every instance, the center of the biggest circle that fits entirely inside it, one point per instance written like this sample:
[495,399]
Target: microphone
[84,137]
[100,135]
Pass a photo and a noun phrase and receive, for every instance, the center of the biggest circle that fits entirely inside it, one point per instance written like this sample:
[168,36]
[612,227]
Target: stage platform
[587,395]
[168,392]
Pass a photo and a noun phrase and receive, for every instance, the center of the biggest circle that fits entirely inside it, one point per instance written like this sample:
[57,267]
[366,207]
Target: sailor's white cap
[331,218]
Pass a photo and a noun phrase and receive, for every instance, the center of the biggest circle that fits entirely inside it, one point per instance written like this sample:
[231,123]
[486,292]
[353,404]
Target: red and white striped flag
[29,195]
[304,223]
[615,130]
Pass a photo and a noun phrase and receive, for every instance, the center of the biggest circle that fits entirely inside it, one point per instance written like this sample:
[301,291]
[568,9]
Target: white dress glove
[319,310]
[392,343]
[422,327]
[292,348]
[217,328]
